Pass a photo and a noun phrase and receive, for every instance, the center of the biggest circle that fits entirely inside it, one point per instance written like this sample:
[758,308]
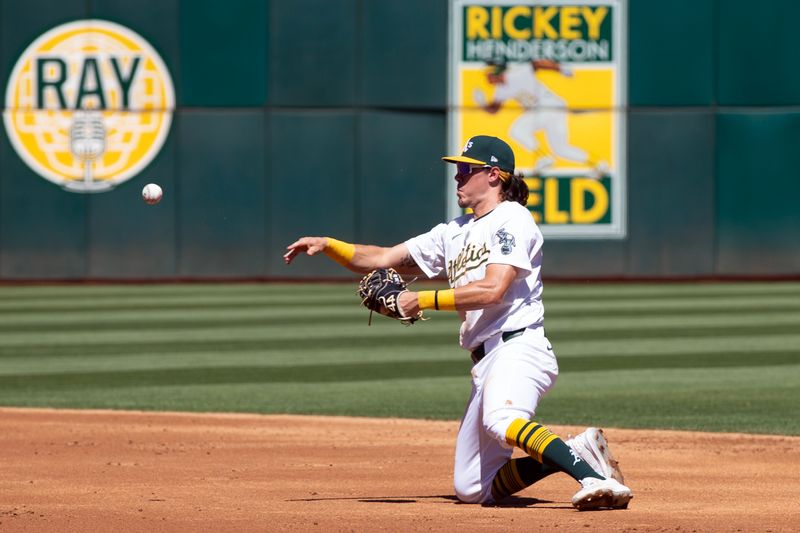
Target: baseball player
[493,260]
[542,110]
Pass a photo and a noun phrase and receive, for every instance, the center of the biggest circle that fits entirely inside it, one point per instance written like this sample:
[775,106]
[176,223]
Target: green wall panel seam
[178,186]
[714,113]
[358,178]
[269,244]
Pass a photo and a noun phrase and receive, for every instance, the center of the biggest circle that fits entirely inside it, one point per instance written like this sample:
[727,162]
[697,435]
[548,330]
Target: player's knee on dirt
[497,422]
[468,487]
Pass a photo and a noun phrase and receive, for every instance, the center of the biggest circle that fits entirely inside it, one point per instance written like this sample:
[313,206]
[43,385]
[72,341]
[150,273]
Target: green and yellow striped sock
[546,447]
[518,474]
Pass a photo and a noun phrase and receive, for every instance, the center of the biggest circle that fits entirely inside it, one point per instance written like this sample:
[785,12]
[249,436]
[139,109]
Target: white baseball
[152,193]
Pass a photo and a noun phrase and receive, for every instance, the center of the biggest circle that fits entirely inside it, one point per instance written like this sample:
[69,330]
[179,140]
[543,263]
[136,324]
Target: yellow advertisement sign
[548,78]
[88,105]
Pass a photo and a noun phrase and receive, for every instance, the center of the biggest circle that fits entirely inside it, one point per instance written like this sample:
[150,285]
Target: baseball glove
[379,291]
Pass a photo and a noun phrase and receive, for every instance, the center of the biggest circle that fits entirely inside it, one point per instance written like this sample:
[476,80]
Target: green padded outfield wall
[294,117]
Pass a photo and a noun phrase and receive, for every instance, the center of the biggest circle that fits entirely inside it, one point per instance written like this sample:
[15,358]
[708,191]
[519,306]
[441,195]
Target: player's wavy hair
[514,188]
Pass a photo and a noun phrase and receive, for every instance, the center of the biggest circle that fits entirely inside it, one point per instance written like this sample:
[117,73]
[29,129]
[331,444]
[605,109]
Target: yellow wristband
[426,299]
[341,252]
[439,300]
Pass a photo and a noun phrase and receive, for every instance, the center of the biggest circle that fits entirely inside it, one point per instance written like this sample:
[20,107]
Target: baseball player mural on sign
[493,260]
[542,110]
[549,78]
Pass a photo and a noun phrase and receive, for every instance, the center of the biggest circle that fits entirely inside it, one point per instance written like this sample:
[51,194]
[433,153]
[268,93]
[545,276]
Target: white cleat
[601,494]
[592,447]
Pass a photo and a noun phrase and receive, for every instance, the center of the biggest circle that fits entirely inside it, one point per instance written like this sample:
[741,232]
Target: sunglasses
[466,168]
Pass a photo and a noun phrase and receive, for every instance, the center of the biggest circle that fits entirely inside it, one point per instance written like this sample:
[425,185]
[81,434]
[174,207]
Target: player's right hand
[307,245]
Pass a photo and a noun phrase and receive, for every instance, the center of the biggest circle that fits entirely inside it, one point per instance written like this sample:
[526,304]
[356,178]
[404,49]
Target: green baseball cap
[485,150]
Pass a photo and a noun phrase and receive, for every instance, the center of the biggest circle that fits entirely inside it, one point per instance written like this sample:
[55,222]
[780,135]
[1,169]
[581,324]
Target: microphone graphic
[88,142]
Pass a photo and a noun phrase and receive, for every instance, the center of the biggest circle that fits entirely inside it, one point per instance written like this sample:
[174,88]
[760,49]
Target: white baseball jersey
[466,245]
[522,85]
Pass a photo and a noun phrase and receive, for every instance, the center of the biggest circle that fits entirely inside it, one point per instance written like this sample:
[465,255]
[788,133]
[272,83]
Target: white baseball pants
[507,384]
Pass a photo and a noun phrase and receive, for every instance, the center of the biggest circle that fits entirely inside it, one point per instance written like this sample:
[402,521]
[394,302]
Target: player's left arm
[360,258]
[478,294]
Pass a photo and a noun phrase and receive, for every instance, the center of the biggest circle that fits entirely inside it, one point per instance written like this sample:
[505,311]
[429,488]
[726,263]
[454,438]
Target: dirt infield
[131,471]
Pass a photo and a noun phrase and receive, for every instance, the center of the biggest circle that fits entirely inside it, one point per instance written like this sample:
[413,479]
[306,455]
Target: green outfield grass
[709,356]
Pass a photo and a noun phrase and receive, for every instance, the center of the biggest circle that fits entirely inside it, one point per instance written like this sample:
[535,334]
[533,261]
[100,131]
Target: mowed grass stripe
[332,308]
[655,320]
[270,317]
[612,291]
[552,308]
[103,292]
[307,360]
[748,399]
[670,346]
[148,360]
[170,319]
[183,301]
[353,372]
[331,332]
[782,301]
[53,321]
[553,290]
[132,342]
[680,332]
[225,342]
[329,373]
[687,296]
[298,331]
[697,310]
[269,334]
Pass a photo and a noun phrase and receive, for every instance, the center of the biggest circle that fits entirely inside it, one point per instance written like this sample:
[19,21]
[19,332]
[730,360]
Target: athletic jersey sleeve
[427,250]
[503,93]
[513,241]
[517,79]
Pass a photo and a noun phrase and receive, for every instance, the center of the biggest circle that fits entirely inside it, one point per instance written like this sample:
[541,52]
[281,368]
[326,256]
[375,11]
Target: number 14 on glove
[379,291]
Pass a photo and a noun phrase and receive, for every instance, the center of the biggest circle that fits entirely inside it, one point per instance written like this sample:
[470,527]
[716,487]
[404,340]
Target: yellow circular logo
[88,105]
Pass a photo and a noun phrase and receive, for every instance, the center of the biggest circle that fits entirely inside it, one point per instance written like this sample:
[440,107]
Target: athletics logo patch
[506,241]
[88,105]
